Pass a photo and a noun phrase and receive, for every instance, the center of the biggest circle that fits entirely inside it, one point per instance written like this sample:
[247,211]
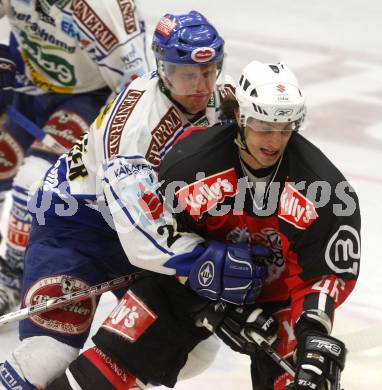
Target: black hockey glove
[235,324]
[319,358]
[7,76]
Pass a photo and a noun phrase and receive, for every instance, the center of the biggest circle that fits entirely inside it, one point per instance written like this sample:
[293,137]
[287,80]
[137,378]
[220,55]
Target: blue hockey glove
[232,272]
[7,76]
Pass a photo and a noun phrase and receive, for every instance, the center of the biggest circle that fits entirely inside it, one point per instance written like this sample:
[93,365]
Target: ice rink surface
[335,48]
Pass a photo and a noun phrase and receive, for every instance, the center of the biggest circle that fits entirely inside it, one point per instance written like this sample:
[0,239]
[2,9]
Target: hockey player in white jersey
[67,56]
[96,214]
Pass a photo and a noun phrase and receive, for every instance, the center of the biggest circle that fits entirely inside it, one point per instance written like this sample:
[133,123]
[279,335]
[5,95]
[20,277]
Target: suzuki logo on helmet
[281,88]
[203,54]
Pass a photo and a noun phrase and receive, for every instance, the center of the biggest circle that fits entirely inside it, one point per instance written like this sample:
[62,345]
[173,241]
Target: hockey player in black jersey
[259,180]
[254,180]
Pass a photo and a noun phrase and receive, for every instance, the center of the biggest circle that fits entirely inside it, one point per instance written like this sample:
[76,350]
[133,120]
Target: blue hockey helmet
[187,39]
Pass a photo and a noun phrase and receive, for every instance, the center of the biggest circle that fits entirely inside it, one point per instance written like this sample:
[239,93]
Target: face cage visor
[189,79]
[259,125]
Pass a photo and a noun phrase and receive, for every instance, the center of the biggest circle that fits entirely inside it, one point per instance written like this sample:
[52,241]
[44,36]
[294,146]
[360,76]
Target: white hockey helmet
[270,92]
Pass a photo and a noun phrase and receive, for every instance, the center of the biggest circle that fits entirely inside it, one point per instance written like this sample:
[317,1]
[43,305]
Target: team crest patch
[131,318]
[73,319]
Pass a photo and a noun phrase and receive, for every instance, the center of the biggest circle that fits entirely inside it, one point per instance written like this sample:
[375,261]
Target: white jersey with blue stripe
[75,46]
[109,179]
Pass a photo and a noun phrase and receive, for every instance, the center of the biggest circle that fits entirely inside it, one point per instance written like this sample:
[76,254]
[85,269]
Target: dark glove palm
[318,358]
[235,324]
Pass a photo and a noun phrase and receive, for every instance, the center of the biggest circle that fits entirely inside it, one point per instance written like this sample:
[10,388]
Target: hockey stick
[265,346]
[34,130]
[64,300]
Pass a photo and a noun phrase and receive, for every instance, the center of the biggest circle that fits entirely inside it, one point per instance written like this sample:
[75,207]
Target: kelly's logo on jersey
[295,208]
[201,196]
[130,318]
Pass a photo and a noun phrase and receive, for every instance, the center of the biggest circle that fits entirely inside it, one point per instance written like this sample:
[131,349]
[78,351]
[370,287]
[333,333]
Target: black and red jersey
[307,213]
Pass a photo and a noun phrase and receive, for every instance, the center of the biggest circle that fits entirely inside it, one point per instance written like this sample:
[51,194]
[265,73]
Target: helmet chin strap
[240,140]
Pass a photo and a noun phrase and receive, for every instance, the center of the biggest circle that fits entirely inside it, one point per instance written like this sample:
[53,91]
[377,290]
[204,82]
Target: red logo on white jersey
[72,319]
[127,9]
[130,318]
[203,54]
[95,25]
[18,231]
[119,120]
[11,155]
[66,127]
[295,208]
[165,130]
[201,196]
[150,203]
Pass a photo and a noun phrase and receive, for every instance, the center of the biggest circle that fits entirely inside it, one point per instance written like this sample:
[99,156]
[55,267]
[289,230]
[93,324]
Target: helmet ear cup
[187,39]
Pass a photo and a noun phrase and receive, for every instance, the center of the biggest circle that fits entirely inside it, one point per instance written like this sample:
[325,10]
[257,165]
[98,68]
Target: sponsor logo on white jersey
[119,120]
[127,9]
[162,133]
[88,17]
[74,318]
[11,155]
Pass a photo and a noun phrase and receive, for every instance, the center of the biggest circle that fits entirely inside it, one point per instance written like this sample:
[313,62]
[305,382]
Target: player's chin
[198,103]
[267,160]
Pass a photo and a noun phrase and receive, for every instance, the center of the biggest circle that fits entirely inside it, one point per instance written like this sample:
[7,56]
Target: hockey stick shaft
[264,345]
[34,130]
[64,300]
